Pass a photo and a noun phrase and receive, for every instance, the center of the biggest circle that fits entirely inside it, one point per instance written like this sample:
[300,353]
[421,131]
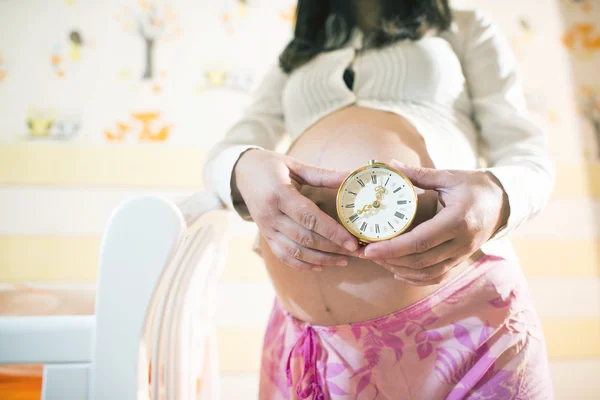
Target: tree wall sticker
[153,21]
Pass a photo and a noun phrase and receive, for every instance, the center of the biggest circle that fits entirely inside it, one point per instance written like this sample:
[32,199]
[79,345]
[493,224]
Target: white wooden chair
[155,302]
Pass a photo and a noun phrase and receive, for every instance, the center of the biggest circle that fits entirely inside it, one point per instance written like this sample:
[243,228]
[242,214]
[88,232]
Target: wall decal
[232,11]
[288,14]
[46,123]
[3,71]
[66,53]
[583,5]
[220,77]
[589,108]
[76,42]
[125,74]
[523,36]
[154,21]
[146,126]
[582,40]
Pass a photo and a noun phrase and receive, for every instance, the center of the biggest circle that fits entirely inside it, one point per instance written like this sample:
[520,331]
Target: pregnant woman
[441,311]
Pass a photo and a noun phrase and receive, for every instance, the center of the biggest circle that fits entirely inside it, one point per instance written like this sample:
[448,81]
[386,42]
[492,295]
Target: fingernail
[367,253]
[350,245]
[355,253]
[401,164]
[317,269]
[398,277]
[361,253]
[342,263]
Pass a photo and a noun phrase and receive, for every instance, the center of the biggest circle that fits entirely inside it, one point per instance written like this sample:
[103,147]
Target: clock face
[376,203]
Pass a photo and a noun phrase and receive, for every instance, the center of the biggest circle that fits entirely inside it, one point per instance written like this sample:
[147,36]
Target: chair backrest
[159,265]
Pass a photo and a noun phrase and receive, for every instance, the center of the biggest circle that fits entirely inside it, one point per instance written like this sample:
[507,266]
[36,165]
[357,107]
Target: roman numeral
[361,183]
[353,217]
[363,226]
[376,228]
[374,179]
[349,205]
[398,188]
[401,201]
[388,179]
[391,226]
[352,193]
[398,214]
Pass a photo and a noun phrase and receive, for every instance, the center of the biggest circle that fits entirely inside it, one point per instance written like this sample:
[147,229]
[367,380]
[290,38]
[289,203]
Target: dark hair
[325,25]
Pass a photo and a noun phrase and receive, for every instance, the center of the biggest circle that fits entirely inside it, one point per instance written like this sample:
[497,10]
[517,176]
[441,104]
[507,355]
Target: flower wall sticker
[589,107]
[583,40]
[66,52]
[146,126]
[154,21]
[45,123]
[232,11]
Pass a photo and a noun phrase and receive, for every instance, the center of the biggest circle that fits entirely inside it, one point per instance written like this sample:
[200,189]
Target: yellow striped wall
[26,258]
[173,167]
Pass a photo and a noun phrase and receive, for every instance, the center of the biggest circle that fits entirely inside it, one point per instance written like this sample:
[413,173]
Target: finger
[306,255]
[424,237]
[307,214]
[428,258]
[427,178]
[315,176]
[285,258]
[308,238]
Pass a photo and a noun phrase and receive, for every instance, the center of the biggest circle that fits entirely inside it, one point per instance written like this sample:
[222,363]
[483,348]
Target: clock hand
[379,191]
[366,208]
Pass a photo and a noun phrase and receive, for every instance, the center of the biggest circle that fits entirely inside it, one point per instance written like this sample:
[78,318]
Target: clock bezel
[362,238]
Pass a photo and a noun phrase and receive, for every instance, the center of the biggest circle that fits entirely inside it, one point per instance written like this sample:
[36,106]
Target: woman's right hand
[298,232]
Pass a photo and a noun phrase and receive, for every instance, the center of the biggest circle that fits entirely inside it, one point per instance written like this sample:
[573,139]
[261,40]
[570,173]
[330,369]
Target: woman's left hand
[475,207]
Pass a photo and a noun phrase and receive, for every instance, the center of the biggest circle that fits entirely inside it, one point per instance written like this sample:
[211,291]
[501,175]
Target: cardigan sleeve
[262,126]
[516,147]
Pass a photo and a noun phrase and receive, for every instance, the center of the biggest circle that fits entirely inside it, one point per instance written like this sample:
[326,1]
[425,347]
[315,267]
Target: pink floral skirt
[477,337]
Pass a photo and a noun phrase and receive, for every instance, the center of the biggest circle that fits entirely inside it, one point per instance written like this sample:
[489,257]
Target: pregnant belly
[363,290]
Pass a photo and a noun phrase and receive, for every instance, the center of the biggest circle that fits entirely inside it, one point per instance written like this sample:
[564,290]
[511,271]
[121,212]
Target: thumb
[315,176]
[426,178]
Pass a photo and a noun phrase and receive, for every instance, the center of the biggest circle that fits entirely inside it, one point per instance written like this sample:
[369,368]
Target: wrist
[238,167]
[499,193]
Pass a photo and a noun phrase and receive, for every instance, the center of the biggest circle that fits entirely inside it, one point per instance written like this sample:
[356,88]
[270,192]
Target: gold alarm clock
[376,202]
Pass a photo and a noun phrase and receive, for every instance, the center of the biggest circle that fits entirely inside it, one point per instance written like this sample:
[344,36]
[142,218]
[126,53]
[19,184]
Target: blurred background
[104,100]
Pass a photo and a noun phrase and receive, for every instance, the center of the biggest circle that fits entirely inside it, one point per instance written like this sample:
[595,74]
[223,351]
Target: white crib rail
[158,270]
[158,251]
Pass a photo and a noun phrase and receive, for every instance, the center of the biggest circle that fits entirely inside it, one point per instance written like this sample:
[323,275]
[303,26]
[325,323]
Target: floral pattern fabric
[477,337]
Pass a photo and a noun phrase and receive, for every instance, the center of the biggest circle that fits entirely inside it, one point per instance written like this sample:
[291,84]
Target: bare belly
[363,290]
